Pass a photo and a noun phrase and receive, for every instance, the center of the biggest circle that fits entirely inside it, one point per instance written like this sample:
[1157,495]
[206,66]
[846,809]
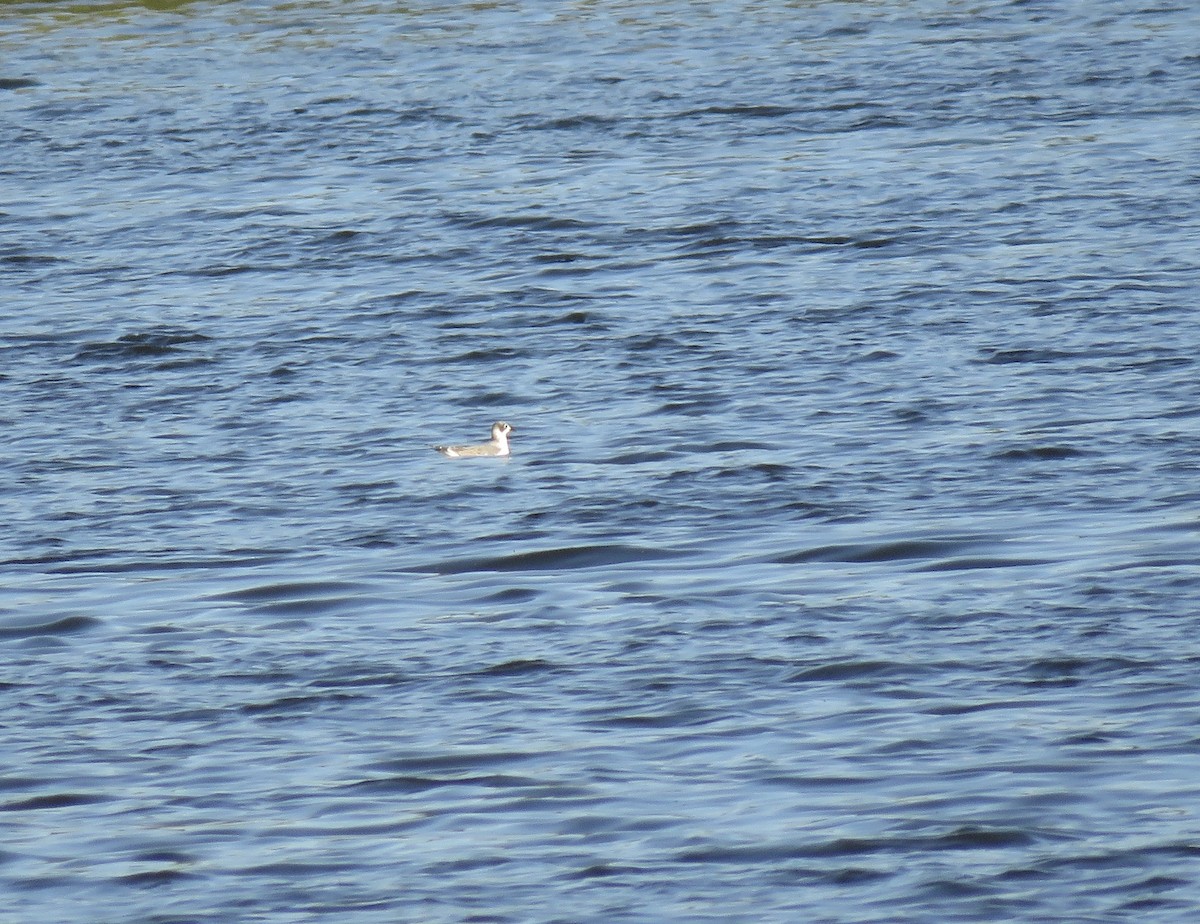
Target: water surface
[846,566]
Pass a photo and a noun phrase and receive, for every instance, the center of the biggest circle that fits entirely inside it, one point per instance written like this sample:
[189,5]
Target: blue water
[847,566]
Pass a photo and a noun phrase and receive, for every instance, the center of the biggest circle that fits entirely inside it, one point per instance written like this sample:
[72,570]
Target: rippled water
[846,566]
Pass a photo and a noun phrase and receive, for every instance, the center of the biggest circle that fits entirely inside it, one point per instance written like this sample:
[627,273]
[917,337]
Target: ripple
[516,668]
[53,801]
[67,625]
[848,670]
[894,551]
[1047,453]
[291,591]
[558,559]
[1009,356]
[153,344]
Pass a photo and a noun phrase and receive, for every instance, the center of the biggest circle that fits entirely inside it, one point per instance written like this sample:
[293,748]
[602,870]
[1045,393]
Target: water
[846,566]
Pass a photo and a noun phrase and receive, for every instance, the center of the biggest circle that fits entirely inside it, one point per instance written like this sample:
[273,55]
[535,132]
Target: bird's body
[496,446]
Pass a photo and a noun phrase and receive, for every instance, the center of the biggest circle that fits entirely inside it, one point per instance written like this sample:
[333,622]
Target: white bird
[496,446]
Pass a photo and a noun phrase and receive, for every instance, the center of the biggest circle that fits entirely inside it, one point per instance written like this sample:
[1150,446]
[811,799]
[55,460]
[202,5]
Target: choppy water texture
[846,567]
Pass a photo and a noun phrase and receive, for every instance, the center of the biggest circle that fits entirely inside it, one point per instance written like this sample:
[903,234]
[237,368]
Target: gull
[496,446]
